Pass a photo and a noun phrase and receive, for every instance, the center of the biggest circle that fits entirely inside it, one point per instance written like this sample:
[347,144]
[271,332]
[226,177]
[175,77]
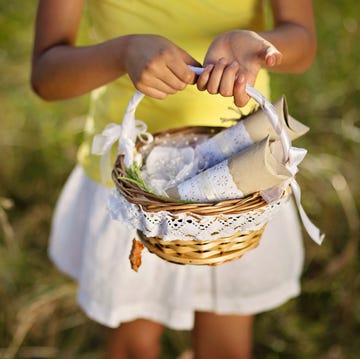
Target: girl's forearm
[65,71]
[297,44]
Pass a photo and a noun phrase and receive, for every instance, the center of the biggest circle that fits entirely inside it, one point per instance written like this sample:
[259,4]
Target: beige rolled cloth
[258,125]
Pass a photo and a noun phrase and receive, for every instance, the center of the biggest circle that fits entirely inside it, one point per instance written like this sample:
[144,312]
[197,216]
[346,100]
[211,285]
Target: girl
[148,46]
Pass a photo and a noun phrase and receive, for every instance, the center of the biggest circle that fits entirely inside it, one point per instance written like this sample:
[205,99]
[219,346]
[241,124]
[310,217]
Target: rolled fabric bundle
[251,129]
[254,169]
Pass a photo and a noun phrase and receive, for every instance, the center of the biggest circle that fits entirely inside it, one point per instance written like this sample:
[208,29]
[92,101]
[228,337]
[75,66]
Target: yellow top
[190,24]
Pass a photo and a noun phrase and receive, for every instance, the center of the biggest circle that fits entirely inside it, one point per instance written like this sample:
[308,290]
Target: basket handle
[129,130]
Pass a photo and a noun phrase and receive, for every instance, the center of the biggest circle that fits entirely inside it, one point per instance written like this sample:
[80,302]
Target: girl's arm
[235,58]
[294,34]
[62,70]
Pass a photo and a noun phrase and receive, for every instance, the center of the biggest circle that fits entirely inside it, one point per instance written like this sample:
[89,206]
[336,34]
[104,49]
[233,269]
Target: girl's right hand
[156,66]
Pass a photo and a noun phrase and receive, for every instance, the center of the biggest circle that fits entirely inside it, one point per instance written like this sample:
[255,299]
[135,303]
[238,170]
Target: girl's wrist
[118,50]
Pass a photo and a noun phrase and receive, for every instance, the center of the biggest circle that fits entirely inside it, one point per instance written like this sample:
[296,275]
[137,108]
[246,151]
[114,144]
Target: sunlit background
[39,317]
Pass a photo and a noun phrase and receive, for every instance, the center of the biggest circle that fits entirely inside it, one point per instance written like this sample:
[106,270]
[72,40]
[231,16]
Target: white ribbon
[131,129]
[296,155]
[126,134]
[311,229]
[102,145]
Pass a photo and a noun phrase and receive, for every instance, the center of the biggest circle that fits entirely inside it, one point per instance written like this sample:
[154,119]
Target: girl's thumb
[272,57]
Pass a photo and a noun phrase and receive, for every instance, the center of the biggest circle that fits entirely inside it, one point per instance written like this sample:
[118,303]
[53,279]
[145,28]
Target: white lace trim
[186,226]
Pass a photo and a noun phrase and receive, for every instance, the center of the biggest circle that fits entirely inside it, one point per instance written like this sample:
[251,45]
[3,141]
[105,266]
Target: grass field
[39,317]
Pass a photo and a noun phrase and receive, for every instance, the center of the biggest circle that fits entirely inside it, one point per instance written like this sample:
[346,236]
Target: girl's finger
[155,88]
[272,57]
[228,80]
[174,81]
[241,98]
[181,71]
[203,79]
[215,77]
[154,93]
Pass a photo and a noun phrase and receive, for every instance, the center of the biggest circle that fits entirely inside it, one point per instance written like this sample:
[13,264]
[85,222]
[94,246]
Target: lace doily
[167,166]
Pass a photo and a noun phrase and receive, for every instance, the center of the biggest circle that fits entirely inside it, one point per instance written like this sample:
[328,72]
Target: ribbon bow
[126,134]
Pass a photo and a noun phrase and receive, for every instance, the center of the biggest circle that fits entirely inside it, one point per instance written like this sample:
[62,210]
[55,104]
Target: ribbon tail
[311,229]
[102,145]
[99,145]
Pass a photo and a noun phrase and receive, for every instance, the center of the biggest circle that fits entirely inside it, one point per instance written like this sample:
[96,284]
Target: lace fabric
[217,185]
[166,166]
[187,226]
[223,145]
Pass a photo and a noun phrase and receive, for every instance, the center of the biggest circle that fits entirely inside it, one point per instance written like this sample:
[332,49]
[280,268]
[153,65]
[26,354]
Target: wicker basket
[211,252]
[194,251]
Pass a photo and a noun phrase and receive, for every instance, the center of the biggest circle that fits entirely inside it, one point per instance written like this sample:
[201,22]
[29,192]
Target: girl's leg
[222,336]
[139,339]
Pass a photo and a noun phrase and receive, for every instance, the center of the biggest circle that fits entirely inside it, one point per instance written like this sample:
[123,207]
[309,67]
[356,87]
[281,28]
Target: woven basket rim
[154,203]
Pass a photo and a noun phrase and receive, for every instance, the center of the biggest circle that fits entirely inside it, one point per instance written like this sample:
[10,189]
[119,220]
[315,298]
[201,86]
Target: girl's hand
[158,67]
[234,59]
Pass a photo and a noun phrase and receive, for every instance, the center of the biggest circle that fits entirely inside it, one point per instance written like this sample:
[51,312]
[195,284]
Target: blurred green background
[39,317]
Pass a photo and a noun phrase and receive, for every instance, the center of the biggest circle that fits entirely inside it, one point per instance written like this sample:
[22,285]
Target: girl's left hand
[234,59]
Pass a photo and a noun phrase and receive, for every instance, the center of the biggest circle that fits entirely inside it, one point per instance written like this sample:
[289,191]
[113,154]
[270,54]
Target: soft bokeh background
[39,317]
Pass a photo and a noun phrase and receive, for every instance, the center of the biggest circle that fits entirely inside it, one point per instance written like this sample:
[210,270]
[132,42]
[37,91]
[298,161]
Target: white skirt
[93,249]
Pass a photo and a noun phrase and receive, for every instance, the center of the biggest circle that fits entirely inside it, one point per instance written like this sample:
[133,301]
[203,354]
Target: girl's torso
[191,25]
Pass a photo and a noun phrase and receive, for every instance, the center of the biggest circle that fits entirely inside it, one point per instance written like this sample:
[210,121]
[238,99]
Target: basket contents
[199,195]
[256,168]
[233,163]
